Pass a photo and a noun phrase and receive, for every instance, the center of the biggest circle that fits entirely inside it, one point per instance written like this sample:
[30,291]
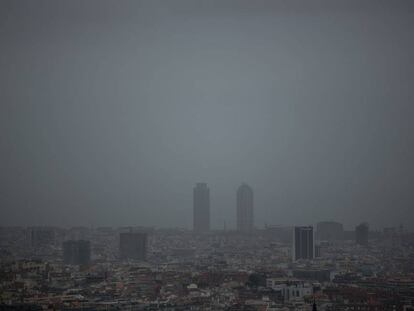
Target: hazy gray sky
[111,111]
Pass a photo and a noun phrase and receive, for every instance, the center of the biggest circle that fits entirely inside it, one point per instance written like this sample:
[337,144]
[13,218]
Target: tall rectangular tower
[201,208]
[303,244]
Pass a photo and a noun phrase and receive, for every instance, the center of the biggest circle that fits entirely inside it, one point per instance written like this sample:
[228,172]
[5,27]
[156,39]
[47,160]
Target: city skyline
[217,224]
[207,155]
[110,111]
[242,220]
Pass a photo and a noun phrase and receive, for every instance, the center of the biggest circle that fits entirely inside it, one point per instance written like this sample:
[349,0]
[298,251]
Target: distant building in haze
[201,208]
[40,236]
[133,245]
[329,231]
[245,208]
[303,243]
[76,252]
[361,234]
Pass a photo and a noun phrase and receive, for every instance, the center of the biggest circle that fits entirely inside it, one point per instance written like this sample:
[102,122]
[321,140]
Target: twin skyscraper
[201,208]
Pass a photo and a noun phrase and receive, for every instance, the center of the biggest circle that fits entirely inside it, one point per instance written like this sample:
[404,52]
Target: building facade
[303,243]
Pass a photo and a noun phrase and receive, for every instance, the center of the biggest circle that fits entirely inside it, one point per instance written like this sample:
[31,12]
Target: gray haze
[111,111]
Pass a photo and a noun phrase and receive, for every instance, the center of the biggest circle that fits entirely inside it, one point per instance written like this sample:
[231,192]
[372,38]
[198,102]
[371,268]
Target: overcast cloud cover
[111,111]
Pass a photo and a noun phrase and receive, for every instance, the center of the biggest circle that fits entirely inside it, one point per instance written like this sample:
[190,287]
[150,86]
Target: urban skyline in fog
[243,217]
[111,111]
[207,155]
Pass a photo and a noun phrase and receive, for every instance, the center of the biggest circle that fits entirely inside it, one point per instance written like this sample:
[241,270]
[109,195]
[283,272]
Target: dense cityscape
[206,155]
[321,267]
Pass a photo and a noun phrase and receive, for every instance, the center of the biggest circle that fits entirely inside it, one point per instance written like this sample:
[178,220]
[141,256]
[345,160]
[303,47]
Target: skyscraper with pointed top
[245,208]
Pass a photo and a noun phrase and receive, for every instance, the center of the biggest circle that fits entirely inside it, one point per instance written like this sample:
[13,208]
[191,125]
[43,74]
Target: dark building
[361,234]
[201,208]
[329,231]
[76,252]
[303,244]
[133,245]
[245,208]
